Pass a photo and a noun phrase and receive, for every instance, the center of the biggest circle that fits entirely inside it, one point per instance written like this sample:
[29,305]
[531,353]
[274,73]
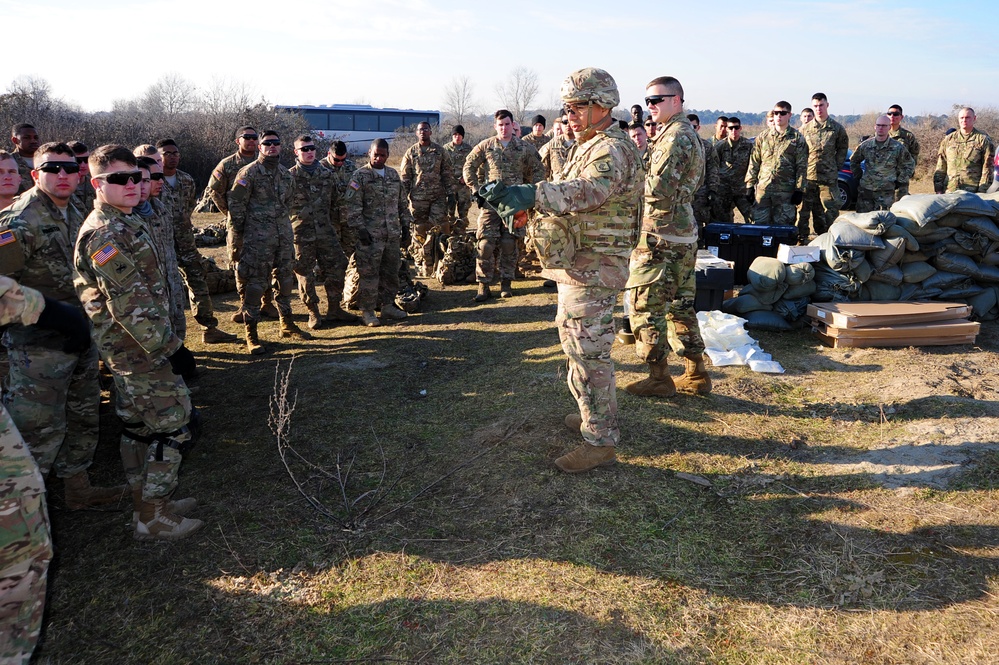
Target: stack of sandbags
[777,294]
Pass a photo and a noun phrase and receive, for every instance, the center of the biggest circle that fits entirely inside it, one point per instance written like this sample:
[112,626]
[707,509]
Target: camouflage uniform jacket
[427,172]
[260,198]
[24,170]
[516,164]
[828,145]
[341,176]
[676,168]
[377,203]
[314,195]
[906,138]
[889,164]
[538,142]
[599,192]
[733,162]
[712,181]
[458,155]
[36,244]
[223,176]
[553,155]
[965,162]
[84,197]
[181,198]
[120,282]
[779,162]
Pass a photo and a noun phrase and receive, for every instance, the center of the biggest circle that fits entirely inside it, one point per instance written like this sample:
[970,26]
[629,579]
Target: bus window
[341,121]
[366,122]
[417,119]
[389,122]
[317,119]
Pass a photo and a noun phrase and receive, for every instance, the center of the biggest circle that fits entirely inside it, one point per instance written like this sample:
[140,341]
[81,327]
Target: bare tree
[517,93]
[170,95]
[458,98]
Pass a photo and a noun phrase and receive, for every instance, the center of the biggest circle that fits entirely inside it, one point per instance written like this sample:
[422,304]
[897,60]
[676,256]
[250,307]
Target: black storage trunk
[714,277]
[742,243]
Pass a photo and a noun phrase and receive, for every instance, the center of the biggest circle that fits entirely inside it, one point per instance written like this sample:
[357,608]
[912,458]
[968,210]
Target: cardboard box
[913,332]
[793,254]
[868,314]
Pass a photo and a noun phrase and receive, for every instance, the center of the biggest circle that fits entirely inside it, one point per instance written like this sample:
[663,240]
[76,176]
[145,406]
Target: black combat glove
[67,320]
[479,201]
[751,194]
[796,197]
[364,236]
[182,362]
[897,185]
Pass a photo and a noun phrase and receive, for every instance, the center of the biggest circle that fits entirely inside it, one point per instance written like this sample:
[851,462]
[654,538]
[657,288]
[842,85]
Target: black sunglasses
[782,112]
[656,99]
[155,176]
[123,177]
[893,113]
[271,142]
[249,137]
[734,127]
[306,148]
[80,160]
[339,160]
[54,167]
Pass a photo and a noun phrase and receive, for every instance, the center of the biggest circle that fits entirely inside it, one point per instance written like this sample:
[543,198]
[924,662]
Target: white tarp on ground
[727,343]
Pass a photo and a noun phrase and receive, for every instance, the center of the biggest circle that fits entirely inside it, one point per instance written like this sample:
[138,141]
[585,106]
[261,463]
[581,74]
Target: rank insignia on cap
[7,237]
[353,185]
[104,254]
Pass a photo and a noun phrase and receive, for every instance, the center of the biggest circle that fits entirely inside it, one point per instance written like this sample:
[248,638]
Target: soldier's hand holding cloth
[508,201]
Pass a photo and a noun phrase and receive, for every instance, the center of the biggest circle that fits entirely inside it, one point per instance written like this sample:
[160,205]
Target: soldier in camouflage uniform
[25,539]
[906,138]
[26,142]
[598,194]
[376,209]
[120,282]
[555,152]
[506,158]
[10,179]
[260,238]
[662,265]
[316,244]
[965,158]
[828,145]
[778,167]
[53,392]
[343,168]
[707,193]
[179,193]
[537,136]
[733,162]
[426,172]
[458,151]
[889,166]
[85,194]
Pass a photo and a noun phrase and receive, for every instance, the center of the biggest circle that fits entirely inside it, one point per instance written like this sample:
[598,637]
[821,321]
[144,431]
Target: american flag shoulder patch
[104,254]
[353,185]
[241,182]
[7,237]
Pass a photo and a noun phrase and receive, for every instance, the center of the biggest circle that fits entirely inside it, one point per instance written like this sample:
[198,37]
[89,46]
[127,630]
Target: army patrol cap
[590,85]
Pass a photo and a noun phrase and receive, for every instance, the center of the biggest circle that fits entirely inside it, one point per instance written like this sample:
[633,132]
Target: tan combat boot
[659,383]
[267,308]
[586,457]
[695,377]
[289,329]
[574,422]
[369,318]
[180,507]
[253,344]
[157,523]
[390,311]
[483,293]
[237,316]
[315,318]
[81,495]
[506,290]
[214,335]
[337,314]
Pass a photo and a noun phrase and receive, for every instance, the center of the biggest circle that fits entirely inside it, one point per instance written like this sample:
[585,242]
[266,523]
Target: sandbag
[917,292]
[991,259]
[952,220]
[876,222]
[984,302]
[833,286]
[799,273]
[966,203]
[943,279]
[863,271]
[846,235]
[792,309]
[923,208]
[917,271]
[935,234]
[983,226]
[840,260]
[967,266]
[800,290]
[961,292]
[890,255]
[743,304]
[914,257]
[880,291]
[766,274]
[890,275]
[898,231]
[766,321]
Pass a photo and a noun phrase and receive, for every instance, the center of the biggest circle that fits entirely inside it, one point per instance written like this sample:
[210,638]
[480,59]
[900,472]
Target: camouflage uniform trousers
[458,211]
[821,203]
[346,235]
[723,205]
[428,215]
[869,200]
[155,408]
[316,244]
[662,312]
[54,398]
[377,270]
[25,552]
[774,209]
[266,259]
[585,322]
[492,235]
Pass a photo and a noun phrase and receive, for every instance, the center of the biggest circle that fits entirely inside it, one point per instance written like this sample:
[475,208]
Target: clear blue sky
[864,54]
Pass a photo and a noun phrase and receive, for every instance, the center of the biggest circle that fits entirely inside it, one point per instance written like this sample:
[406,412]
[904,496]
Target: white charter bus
[358,124]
